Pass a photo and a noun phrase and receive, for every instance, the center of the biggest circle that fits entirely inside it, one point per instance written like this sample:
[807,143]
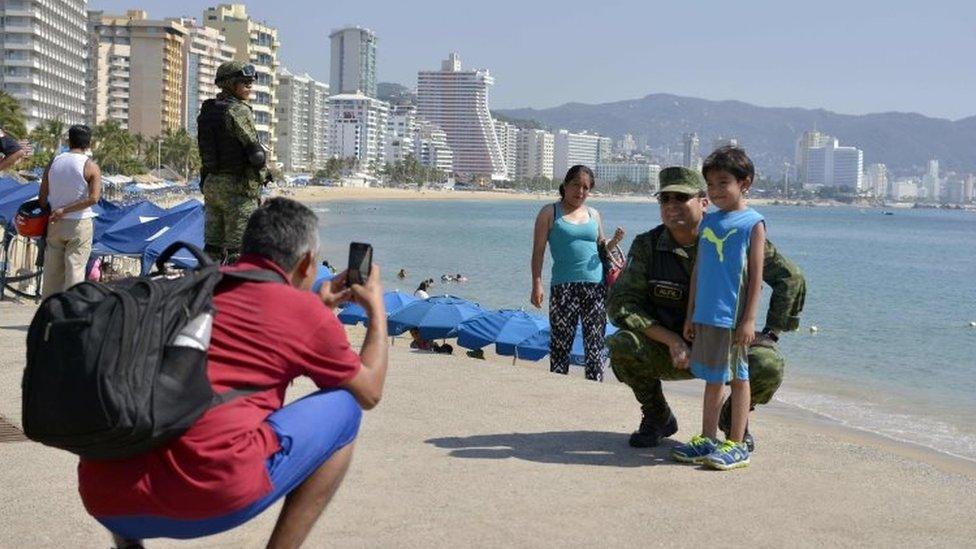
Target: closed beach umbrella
[393,300]
[504,328]
[436,317]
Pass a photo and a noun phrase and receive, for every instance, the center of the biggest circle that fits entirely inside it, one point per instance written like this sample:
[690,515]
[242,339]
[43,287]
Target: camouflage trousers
[642,364]
[229,204]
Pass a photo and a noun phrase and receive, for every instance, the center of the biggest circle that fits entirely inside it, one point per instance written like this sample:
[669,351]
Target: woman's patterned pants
[568,304]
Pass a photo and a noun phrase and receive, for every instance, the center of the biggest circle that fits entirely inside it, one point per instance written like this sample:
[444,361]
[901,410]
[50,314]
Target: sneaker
[730,455]
[650,433]
[695,451]
[725,425]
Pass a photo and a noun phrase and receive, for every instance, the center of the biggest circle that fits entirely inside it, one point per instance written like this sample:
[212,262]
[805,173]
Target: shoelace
[727,447]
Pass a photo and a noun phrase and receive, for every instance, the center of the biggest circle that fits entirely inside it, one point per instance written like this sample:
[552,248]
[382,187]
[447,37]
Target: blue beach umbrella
[504,328]
[537,346]
[321,276]
[436,317]
[394,300]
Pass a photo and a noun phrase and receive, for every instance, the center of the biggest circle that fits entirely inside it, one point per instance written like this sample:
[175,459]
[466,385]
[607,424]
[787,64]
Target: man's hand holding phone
[370,295]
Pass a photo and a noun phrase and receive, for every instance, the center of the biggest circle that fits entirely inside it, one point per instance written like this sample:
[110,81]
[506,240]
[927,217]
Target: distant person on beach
[70,186]
[327,265]
[402,274]
[649,304]
[421,291]
[459,278]
[723,300]
[239,458]
[12,150]
[572,231]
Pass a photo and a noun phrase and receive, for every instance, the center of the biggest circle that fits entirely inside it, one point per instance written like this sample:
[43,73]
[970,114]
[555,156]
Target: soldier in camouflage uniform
[649,301]
[233,161]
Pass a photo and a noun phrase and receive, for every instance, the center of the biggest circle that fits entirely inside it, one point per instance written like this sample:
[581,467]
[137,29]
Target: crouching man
[242,456]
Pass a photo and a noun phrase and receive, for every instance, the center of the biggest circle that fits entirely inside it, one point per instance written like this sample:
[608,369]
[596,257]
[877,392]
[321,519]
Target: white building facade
[570,149]
[44,45]
[834,166]
[535,150]
[357,129]
[205,50]
[457,102]
[431,148]
[400,130]
[303,122]
[644,175]
[876,179]
[508,135]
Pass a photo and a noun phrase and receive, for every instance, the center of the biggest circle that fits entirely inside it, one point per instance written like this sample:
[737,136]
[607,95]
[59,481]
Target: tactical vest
[668,281]
[220,150]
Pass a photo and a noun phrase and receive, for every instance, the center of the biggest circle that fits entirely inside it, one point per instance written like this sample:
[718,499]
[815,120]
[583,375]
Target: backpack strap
[257,275]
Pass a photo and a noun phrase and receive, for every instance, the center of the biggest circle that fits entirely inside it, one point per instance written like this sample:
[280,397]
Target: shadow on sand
[571,447]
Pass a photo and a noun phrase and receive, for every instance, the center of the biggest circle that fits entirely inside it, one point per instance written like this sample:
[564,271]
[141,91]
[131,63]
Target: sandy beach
[471,453]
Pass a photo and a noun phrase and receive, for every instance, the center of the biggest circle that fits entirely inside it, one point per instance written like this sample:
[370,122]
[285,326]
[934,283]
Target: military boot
[725,424]
[651,430]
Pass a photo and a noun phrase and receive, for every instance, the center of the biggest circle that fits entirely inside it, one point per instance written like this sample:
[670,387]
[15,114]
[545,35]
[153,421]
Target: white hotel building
[457,102]
[303,122]
[357,129]
[571,149]
[44,43]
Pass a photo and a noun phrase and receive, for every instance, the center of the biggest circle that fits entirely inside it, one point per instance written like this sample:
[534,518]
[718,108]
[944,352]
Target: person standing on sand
[572,230]
[649,304]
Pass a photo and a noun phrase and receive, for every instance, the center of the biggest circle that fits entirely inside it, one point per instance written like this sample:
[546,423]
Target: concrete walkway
[466,453]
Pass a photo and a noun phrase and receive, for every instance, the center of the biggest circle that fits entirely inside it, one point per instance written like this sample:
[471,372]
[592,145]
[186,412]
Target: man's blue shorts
[309,430]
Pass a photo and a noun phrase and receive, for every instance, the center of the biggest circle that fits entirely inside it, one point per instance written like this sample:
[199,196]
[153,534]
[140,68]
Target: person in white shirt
[71,185]
[421,291]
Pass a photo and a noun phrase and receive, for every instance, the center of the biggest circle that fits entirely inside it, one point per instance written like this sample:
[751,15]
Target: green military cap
[677,179]
[234,69]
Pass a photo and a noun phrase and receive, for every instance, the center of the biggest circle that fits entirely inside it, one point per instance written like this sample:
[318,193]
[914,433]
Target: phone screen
[360,263]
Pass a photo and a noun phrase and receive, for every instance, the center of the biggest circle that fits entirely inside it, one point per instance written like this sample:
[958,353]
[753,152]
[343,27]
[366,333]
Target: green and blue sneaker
[730,455]
[695,451]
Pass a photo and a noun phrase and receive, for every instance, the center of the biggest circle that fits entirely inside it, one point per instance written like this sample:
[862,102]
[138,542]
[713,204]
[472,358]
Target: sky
[852,56]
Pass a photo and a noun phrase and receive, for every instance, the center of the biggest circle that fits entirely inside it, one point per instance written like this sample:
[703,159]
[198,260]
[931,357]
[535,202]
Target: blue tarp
[13,197]
[146,230]
[188,229]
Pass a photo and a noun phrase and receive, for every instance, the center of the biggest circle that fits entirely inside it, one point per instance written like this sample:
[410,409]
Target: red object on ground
[265,334]
[31,219]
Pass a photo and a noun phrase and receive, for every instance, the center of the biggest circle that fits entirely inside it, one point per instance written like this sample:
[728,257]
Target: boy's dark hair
[281,230]
[79,136]
[575,173]
[732,160]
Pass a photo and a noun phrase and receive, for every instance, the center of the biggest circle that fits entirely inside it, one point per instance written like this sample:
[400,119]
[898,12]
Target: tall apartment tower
[535,149]
[136,69]
[401,126]
[809,140]
[571,149]
[357,129]
[692,154]
[353,67]
[834,166]
[876,179]
[255,43]
[508,135]
[457,102]
[204,50]
[303,122]
[44,45]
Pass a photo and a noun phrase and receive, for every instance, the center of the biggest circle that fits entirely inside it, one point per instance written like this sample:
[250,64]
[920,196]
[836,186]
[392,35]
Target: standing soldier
[233,161]
[649,302]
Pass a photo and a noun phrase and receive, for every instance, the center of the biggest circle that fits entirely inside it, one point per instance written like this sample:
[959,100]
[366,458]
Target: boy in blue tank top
[722,304]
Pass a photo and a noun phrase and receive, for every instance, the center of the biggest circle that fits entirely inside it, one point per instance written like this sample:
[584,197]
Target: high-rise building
[535,149]
[255,43]
[571,149]
[457,102]
[400,129]
[357,129]
[353,68]
[43,44]
[604,151]
[507,135]
[932,183]
[628,145]
[303,122]
[876,179]
[720,142]
[969,188]
[644,175]
[809,140]
[137,69]
[692,153]
[204,49]
[431,148]
[903,189]
[834,166]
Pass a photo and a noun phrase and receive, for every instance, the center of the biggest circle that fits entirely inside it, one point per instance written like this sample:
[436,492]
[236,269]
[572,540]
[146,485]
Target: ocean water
[891,296]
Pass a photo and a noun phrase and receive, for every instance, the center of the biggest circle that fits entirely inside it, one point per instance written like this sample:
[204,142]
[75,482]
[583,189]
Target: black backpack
[116,369]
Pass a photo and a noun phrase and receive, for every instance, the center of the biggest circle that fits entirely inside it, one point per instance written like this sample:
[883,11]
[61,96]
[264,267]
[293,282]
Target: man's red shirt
[264,335]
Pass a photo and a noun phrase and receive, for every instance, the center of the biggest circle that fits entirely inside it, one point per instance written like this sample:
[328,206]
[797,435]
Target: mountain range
[905,142]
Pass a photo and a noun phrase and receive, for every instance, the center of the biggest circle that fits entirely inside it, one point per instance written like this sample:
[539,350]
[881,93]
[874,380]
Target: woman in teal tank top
[572,230]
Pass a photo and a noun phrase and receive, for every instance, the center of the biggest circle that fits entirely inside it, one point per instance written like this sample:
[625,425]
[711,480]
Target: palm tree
[12,118]
[114,148]
[178,149]
[46,140]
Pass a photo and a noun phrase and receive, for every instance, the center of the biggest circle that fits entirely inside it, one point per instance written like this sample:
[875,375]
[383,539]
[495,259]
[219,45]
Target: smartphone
[360,263]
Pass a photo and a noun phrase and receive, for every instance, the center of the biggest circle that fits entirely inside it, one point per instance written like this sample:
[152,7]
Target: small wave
[924,431]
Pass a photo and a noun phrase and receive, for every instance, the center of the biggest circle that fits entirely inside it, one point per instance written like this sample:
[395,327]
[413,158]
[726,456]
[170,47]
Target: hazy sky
[848,56]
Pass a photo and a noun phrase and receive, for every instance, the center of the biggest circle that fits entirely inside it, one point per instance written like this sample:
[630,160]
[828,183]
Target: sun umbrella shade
[393,300]
[322,275]
[537,346]
[504,328]
[436,317]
